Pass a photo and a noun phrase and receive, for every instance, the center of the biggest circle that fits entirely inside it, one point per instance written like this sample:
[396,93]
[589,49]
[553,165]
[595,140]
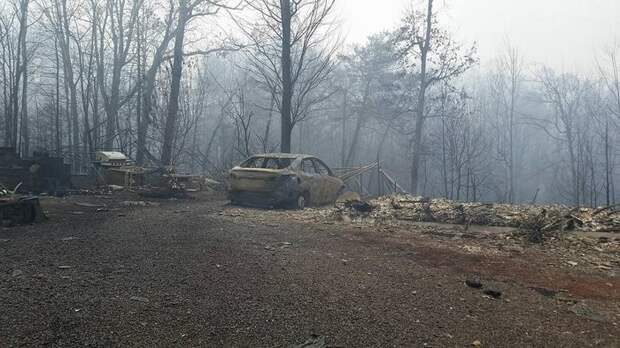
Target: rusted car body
[275,180]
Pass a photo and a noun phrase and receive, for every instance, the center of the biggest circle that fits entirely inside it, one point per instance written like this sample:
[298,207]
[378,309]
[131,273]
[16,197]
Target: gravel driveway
[187,273]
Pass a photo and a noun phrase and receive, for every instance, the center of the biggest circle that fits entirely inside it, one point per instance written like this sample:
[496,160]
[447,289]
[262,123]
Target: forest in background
[202,84]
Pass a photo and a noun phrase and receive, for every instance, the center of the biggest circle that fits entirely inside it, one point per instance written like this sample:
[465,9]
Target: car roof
[284,155]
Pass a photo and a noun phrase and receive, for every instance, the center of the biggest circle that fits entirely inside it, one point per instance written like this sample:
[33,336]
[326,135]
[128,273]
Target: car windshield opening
[267,163]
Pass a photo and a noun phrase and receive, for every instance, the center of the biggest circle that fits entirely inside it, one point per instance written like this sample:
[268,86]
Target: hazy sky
[565,34]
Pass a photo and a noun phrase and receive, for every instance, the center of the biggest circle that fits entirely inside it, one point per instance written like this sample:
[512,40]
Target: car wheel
[301,202]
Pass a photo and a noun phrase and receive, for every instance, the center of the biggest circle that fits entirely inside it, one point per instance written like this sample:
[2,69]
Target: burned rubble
[41,173]
[116,172]
[18,209]
[550,218]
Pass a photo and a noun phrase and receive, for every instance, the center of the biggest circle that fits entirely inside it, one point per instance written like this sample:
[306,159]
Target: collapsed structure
[114,168]
[39,173]
[532,217]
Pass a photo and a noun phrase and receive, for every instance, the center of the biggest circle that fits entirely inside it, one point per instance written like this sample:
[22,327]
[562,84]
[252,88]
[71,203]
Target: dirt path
[195,274]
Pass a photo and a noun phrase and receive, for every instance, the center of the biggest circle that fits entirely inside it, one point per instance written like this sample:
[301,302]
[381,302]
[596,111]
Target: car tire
[341,191]
[301,202]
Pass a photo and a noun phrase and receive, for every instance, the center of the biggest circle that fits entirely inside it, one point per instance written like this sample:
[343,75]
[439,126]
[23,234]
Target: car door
[330,185]
[310,180]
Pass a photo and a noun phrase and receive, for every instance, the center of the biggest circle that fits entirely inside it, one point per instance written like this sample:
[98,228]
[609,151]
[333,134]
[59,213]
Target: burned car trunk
[277,180]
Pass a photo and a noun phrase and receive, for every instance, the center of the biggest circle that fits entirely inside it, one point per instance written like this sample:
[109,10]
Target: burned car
[283,180]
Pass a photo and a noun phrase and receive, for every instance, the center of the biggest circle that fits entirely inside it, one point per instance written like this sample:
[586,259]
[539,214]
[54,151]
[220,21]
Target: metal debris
[544,218]
[20,210]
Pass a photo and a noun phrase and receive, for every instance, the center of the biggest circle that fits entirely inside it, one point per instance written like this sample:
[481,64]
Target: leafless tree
[609,69]
[291,54]
[565,94]
[428,50]
[14,24]
[187,10]
[506,84]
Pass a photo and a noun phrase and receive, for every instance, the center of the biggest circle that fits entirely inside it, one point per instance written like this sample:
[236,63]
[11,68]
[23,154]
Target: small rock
[572,263]
[493,293]
[64,267]
[314,341]
[473,283]
[17,273]
[346,219]
[476,343]
[515,249]
[544,291]
[116,187]
[139,299]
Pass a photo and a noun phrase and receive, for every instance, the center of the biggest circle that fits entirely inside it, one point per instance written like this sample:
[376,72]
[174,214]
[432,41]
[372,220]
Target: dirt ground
[119,271]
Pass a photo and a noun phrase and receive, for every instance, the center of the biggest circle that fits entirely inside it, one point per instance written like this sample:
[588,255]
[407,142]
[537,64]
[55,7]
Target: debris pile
[39,173]
[17,210]
[116,172]
[541,218]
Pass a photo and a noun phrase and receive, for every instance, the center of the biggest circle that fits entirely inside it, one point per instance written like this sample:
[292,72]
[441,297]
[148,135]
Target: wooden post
[395,185]
[362,183]
[379,186]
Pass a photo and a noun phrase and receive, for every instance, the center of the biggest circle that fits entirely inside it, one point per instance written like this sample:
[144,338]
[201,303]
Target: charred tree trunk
[287,82]
[607,166]
[268,126]
[58,133]
[344,129]
[25,134]
[173,103]
[5,97]
[63,34]
[147,85]
[361,120]
[420,117]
